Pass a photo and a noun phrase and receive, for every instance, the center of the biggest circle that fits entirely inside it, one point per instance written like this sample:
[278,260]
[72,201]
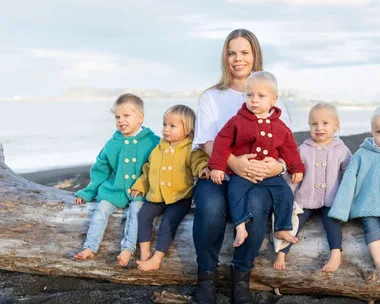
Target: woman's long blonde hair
[257,56]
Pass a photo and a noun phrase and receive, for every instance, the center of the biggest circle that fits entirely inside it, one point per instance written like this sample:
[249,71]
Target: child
[358,195]
[326,158]
[167,181]
[258,129]
[117,167]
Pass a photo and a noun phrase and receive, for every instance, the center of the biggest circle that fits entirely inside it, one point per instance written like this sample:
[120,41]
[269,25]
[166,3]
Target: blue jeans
[371,227]
[99,223]
[282,197]
[333,227]
[173,216]
[210,218]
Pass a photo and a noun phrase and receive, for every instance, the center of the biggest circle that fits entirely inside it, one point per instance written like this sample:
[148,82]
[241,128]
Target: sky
[328,49]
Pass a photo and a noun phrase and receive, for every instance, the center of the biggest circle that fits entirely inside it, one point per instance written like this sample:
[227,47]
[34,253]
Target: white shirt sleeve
[205,123]
[285,116]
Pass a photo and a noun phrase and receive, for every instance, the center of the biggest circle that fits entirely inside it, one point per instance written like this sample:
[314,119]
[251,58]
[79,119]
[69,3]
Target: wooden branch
[41,229]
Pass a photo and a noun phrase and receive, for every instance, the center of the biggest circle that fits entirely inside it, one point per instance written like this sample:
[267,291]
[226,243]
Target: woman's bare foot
[334,261]
[279,263]
[84,254]
[124,257]
[151,264]
[241,235]
[286,236]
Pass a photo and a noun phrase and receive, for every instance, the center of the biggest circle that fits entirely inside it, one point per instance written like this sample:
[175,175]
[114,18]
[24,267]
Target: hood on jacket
[251,116]
[143,133]
[164,144]
[335,142]
[368,145]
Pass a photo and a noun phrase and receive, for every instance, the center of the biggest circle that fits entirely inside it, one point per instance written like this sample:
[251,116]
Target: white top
[216,107]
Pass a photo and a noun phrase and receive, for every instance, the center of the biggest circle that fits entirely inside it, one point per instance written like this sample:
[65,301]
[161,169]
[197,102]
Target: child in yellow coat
[167,182]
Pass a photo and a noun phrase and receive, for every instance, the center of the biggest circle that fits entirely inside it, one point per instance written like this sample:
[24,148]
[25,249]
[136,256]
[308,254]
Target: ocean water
[46,135]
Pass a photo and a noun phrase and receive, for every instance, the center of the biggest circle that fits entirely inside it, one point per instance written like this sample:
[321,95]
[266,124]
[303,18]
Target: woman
[241,55]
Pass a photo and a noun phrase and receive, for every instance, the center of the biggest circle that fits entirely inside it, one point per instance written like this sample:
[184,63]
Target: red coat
[245,133]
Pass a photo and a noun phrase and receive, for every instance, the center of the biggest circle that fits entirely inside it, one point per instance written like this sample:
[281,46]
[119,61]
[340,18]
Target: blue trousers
[173,216]
[281,195]
[99,223]
[371,227]
[333,227]
[210,218]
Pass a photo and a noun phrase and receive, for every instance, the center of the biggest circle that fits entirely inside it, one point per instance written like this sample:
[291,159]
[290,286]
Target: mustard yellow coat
[168,176]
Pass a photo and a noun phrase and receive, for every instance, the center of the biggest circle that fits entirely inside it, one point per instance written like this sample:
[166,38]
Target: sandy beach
[29,288]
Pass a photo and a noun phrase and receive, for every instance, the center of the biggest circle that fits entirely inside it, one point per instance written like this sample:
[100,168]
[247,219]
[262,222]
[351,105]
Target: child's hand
[217,176]
[297,177]
[205,173]
[79,201]
[135,193]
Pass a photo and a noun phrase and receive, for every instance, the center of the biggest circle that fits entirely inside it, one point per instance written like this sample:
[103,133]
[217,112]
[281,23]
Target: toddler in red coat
[257,129]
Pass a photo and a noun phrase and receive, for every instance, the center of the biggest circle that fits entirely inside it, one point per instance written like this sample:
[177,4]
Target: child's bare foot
[372,276]
[145,255]
[279,263]
[286,236]
[149,264]
[334,261]
[241,235]
[84,254]
[124,257]
[153,263]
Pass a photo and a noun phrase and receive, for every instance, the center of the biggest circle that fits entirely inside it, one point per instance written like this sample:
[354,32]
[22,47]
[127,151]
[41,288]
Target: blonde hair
[328,106]
[187,116]
[375,115]
[225,80]
[264,75]
[131,99]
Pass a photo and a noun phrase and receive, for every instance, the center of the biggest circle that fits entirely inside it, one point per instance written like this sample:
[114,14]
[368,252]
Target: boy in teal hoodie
[117,167]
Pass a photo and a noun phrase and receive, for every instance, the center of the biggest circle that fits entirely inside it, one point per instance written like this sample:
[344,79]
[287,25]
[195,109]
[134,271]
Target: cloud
[308,41]
[306,2]
[51,71]
[354,83]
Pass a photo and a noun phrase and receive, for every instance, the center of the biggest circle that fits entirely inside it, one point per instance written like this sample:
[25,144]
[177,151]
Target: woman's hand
[274,166]
[246,166]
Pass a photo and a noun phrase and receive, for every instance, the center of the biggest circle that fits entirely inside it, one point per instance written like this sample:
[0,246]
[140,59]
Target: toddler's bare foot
[145,255]
[124,257]
[149,264]
[84,254]
[241,235]
[279,263]
[372,276]
[286,236]
[334,261]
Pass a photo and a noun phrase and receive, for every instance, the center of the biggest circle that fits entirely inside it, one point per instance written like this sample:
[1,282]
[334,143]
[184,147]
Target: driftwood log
[41,229]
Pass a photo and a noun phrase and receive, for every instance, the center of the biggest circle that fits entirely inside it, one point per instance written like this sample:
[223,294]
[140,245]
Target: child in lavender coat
[326,158]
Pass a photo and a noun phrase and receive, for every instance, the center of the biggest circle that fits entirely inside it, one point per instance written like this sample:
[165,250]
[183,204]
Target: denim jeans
[99,223]
[131,226]
[333,227]
[173,216]
[282,197]
[211,213]
[371,227]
